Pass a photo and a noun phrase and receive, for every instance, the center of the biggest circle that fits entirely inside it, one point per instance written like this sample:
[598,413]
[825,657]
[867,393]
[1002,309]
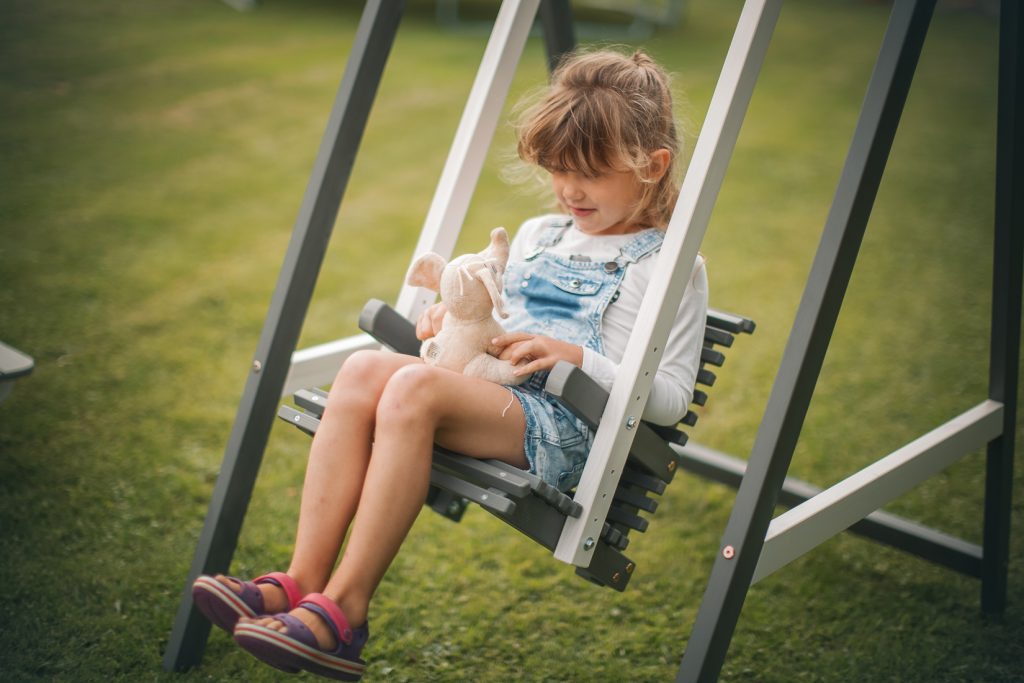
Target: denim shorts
[556,442]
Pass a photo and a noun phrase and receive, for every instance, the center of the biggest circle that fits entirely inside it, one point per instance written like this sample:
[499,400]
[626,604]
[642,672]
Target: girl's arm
[673,384]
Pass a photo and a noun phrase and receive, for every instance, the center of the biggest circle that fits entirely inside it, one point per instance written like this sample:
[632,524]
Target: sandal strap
[285,583]
[331,614]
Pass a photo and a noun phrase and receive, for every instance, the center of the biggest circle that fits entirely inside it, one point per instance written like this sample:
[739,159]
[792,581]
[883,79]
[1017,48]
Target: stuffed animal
[470,287]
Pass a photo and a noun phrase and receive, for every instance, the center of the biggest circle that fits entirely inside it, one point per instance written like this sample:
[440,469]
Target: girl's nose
[571,190]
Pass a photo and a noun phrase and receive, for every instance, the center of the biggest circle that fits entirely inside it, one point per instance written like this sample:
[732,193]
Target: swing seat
[522,499]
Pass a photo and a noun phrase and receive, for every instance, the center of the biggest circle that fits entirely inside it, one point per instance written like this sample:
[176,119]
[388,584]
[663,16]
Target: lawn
[153,157]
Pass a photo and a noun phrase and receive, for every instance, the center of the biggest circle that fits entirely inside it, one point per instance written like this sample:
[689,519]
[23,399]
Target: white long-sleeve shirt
[674,382]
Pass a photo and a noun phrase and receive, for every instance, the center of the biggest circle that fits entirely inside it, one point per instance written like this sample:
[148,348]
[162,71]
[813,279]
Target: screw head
[630,422]
[257,366]
[588,544]
[616,577]
[728,552]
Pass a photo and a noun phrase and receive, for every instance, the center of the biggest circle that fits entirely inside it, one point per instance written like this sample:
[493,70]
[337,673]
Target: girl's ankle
[275,599]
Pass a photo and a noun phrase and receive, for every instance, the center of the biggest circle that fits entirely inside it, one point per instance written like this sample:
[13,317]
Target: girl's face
[603,204]
[600,205]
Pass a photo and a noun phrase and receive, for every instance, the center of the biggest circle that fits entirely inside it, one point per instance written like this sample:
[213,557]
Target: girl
[604,132]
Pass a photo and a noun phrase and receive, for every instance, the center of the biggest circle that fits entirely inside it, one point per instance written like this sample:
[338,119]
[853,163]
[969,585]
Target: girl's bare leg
[334,474]
[419,406]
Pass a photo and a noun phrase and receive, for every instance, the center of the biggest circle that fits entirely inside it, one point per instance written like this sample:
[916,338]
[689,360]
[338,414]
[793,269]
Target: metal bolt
[630,567]
[616,577]
[630,422]
[257,366]
[588,544]
[728,552]
[671,465]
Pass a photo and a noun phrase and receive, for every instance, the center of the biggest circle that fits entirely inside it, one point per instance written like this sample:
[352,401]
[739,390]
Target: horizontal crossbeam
[317,365]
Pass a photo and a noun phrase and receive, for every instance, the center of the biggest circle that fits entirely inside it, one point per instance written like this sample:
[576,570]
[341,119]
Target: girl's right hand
[430,321]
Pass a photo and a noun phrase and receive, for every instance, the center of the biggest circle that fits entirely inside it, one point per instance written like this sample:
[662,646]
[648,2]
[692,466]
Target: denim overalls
[564,297]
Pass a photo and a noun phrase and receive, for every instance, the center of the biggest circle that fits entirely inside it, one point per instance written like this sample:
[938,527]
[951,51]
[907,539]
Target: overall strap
[553,231]
[645,243]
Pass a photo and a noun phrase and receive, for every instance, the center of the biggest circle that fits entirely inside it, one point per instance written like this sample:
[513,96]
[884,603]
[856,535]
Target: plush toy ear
[486,276]
[499,247]
[426,271]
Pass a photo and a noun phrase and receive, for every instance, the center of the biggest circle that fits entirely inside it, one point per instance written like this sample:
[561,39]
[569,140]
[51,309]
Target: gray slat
[304,421]
[729,322]
[490,499]
[483,472]
[313,400]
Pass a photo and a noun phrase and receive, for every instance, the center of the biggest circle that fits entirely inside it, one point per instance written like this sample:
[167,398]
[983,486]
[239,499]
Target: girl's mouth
[581,213]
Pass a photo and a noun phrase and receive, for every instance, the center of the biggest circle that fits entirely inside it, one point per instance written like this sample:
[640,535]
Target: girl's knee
[360,380]
[361,367]
[410,394]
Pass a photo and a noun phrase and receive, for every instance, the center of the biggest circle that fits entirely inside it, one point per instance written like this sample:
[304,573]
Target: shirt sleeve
[673,384]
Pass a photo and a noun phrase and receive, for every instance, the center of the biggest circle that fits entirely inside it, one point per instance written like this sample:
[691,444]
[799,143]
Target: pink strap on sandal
[340,626]
[285,583]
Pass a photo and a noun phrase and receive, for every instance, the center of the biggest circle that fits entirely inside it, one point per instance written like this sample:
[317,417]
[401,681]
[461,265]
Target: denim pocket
[575,284]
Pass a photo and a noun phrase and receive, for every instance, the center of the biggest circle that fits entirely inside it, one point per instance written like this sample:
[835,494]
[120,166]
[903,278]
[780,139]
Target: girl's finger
[523,350]
[533,366]
[511,338]
[424,329]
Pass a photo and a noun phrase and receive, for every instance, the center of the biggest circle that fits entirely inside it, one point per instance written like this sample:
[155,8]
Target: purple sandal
[296,647]
[224,607]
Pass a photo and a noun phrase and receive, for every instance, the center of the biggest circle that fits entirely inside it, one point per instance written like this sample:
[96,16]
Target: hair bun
[641,58]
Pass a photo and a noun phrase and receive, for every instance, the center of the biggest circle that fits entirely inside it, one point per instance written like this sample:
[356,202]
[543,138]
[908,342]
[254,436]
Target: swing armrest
[578,392]
[389,327]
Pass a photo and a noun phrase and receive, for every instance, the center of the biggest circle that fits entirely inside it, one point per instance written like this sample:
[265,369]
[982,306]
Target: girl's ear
[426,271]
[660,160]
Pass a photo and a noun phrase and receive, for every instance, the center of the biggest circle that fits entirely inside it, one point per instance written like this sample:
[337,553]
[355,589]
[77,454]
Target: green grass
[154,156]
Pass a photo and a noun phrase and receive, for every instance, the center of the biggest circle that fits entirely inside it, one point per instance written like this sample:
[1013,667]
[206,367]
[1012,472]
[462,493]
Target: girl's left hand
[534,352]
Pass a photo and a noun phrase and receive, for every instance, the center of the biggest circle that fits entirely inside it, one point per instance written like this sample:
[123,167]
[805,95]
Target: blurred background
[153,158]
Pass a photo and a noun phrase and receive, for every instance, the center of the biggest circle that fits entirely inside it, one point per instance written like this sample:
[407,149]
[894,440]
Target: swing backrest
[523,500]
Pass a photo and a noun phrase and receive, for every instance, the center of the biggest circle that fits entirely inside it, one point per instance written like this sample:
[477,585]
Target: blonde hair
[603,111]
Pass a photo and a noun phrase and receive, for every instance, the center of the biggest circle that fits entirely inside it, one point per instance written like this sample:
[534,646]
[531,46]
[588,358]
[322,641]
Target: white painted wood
[317,365]
[796,532]
[675,263]
[472,139]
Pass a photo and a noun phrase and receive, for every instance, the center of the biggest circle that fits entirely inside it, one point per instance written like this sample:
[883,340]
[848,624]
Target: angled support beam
[683,238]
[804,355]
[281,328]
[318,365]
[795,533]
[1006,305]
[910,537]
[472,139]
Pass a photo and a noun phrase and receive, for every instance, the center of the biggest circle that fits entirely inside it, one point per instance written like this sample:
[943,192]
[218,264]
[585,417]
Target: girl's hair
[607,111]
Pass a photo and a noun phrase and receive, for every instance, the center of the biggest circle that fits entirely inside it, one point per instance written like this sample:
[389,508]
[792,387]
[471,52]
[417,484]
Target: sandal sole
[280,650]
[218,603]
